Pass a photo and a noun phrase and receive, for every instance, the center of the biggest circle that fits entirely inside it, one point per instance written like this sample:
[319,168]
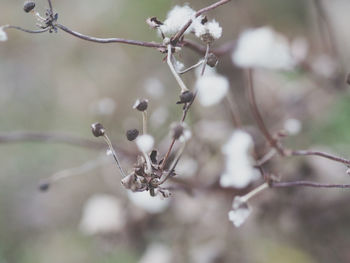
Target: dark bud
[204,20]
[177,131]
[141,105]
[28,6]
[132,134]
[153,156]
[212,60]
[348,79]
[185,97]
[97,129]
[44,186]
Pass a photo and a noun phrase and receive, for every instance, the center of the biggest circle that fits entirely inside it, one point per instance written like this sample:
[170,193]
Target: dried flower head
[212,60]
[153,22]
[44,186]
[28,6]
[177,130]
[132,134]
[185,97]
[97,129]
[141,104]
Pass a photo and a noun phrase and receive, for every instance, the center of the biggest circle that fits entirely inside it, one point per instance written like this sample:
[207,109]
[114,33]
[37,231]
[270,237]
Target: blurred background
[55,83]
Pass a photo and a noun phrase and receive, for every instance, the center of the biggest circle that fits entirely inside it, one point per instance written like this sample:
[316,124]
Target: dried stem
[26,30]
[205,59]
[171,66]
[257,115]
[110,40]
[219,51]
[108,141]
[200,62]
[322,154]
[144,122]
[254,192]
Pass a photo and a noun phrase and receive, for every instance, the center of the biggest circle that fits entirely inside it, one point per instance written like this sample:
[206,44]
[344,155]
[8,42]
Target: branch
[257,115]
[322,154]
[26,30]
[307,184]
[179,34]
[110,40]
[25,136]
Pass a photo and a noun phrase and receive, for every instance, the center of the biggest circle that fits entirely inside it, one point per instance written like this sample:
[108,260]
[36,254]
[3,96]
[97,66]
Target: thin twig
[110,40]
[108,141]
[307,184]
[184,115]
[205,59]
[219,51]
[322,154]
[54,137]
[257,115]
[172,69]
[180,33]
[200,62]
[26,30]
[50,6]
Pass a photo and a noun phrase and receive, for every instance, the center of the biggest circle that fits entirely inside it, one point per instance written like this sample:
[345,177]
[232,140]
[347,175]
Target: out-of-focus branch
[25,136]
[257,115]
[180,33]
[219,51]
[321,154]
[307,184]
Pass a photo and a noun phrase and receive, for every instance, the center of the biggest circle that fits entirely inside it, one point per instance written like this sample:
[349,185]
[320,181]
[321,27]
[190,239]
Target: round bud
[177,131]
[141,105]
[186,97]
[97,129]
[132,134]
[44,186]
[28,6]
[212,60]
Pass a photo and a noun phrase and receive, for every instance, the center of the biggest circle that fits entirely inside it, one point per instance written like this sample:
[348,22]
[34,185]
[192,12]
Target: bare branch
[25,136]
[110,40]
[26,30]
[322,154]
[257,115]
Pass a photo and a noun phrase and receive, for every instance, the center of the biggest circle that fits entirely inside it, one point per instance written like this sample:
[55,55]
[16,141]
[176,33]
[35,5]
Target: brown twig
[257,115]
[322,154]
[184,115]
[180,33]
[26,30]
[219,51]
[110,40]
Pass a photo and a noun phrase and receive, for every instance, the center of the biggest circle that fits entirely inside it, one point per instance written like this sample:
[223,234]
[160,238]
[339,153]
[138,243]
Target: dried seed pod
[185,97]
[141,105]
[212,60]
[97,129]
[44,186]
[132,134]
[177,130]
[28,6]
